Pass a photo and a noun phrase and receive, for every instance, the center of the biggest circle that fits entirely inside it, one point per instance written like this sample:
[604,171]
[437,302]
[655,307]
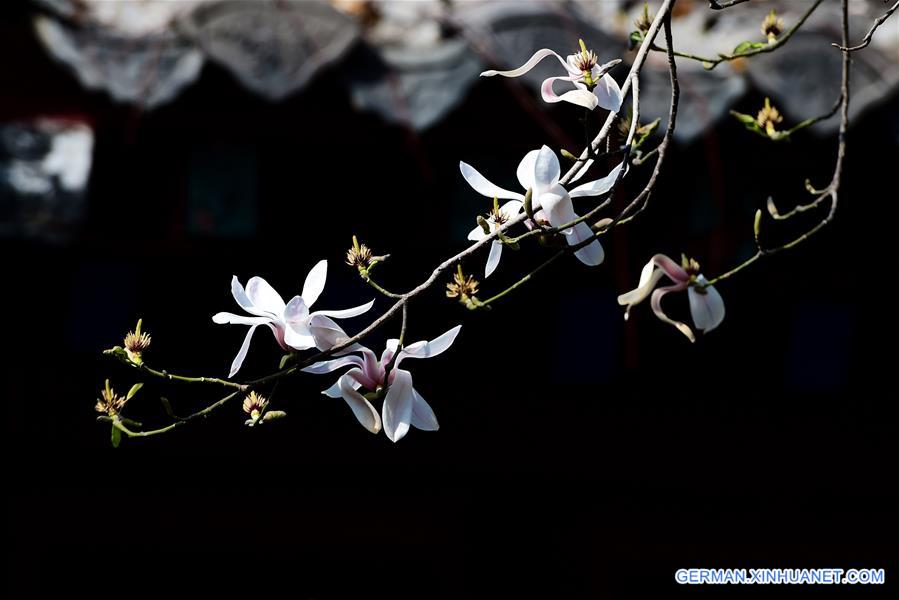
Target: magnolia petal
[557,207]
[649,277]
[525,171]
[296,311]
[673,270]
[592,254]
[372,368]
[496,252]
[362,408]
[530,64]
[347,312]
[327,366]
[242,353]
[706,307]
[327,333]
[240,296]
[483,186]
[579,97]
[315,282]
[298,338]
[397,409]
[223,318]
[264,296]
[546,171]
[438,345]
[511,209]
[656,303]
[477,234]
[598,187]
[608,94]
[423,416]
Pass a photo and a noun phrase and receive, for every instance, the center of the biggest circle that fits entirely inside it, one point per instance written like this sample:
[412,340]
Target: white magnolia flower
[403,405]
[498,217]
[706,305]
[540,171]
[595,87]
[293,326]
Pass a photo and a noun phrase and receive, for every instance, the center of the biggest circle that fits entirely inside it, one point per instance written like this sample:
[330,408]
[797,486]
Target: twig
[867,39]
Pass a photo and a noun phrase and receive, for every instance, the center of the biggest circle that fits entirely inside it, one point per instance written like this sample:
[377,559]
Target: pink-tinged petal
[546,171]
[706,307]
[347,312]
[598,187]
[592,254]
[530,64]
[608,94]
[223,318]
[264,297]
[315,282]
[279,331]
[579,97]
[397,409]
[328,334]
[483,186]
[496,252]
[242,353]
[525,170]
[423,416]
[240,296]
[673,270]
[372,368]
[296,311]
[477,234]
[362,408]
[511,209]
[362,379]
[327,366]
[557,207]
[334,390]
[656,303]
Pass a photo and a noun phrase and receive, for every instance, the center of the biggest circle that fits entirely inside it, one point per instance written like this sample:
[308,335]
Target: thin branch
[832,191]
[867,39]
[715,5]
[711,63]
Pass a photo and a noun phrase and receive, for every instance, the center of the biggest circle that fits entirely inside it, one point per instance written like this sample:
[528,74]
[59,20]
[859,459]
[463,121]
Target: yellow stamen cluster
[136,343]
[254,404]
[462,287]
[690,265]
[359,256]
[584,61]
[109,402]
[643,22]
[772,26]
[768,118]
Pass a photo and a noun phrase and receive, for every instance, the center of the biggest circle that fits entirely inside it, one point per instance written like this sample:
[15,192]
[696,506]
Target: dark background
[578,457]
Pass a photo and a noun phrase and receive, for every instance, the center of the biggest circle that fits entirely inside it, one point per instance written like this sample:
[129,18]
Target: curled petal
[580,96]
[496,252]
[240,296]
[706,307]
[423,416]
[362,408]
[673,270]
[264,296]
[315,282]
[397,409]
[483,186]
[530,64]
[649,277]
[656,303]
[608,94]
[598,187]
